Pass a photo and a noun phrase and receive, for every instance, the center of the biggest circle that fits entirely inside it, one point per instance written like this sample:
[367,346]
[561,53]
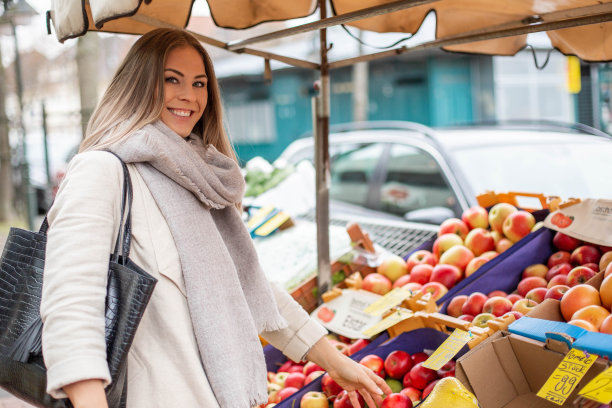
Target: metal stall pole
[321,146]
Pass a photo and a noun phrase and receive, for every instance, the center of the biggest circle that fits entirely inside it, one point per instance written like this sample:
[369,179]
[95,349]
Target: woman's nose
[187,93]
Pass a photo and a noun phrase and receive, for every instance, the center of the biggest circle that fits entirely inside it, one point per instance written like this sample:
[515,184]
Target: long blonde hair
[135,96]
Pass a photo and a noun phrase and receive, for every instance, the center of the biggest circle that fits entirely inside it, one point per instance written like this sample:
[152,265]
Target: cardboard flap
[536,362]
[529,400]
[510,364]
[549,309]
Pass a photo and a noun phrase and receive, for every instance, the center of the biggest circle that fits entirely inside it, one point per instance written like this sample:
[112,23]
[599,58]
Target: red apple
[397,364]
[448,275]
[579,274]
[413,287]
[343,401]
[527,284]
[466,317]
[535,270]
[314,399]
[296,369]
[295,380]
[420,257]
[497,293]
[454,306]
[286,393]
[503,245]
[479,241]
[429,388]
[489,255]
[593,266]
[419,357]
[474,264]
[476,217]
[524,306]
[412,393]
[497,305]
[517,225]
[558,258]
[557,280]
[447,370]
[401,281]
[421,273]
[313,376]
[285,366]
[513,297]
[453,226]
[330,387]
[421,376]
[565,242]
[445,242]
[517,315]
[458,256]
[481,319]
[280,378]
[392,266]
[585,254]
[559,269]
[436,289]
[357,346]
[556,292]
[376,283]
[396,400]
[474,303]
[374,363]
[498,214]
[537,294]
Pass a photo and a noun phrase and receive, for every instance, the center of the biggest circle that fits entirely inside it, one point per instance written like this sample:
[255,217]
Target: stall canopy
[497,27]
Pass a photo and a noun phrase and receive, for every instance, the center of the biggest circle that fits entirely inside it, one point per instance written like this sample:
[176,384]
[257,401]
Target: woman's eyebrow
[181,74]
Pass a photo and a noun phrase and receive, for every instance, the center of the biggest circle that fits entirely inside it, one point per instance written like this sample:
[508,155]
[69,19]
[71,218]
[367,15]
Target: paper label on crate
[391,320]
[388,301]
[566,376]
[345,314]
[589,220]
[599,388]
[448,349]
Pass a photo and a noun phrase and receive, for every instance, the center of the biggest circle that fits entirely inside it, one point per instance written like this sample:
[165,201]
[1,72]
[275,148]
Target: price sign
[599,388]
[388,301]
[448,349]
[566,376]
[387,322]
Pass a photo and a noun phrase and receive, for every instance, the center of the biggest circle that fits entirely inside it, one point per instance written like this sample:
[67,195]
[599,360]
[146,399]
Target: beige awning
[576,27]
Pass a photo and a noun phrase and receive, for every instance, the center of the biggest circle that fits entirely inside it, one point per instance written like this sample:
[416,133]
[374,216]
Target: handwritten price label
[599,388]
[566,376]
[448,349]
[387,322]
[390,300]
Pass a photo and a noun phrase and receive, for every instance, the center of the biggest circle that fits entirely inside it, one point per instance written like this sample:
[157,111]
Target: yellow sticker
[272,224]
[388,301]
[260,216]
[448,349]
[387,322]
[566,376]
[599,388]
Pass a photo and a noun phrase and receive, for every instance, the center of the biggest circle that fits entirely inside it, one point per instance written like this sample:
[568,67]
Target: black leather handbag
[22,369]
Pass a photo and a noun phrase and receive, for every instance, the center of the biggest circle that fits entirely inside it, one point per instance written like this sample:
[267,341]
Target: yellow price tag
[260,216]
[448,349]
[599,388]
[387,322]
[566,376]
[388,301]
[272,224]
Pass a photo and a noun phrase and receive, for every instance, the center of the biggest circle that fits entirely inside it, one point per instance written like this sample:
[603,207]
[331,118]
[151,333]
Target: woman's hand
[87,394]
[350,375]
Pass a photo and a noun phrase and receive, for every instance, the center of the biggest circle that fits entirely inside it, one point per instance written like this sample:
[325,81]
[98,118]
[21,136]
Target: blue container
[411,342]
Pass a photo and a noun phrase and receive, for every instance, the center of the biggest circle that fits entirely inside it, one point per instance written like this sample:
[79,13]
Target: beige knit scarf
[230,300]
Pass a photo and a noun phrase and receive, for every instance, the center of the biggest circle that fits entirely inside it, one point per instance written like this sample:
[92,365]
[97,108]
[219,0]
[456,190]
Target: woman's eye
[200,84]
[171,80]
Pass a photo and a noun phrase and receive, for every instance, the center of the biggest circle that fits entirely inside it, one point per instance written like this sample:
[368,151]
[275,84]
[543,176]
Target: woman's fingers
[380,383]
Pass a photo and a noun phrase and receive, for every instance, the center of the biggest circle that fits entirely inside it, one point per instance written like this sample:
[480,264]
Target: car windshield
[566,169]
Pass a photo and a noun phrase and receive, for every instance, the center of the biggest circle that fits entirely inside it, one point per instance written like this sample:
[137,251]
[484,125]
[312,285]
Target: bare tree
[88,49]
[6,175]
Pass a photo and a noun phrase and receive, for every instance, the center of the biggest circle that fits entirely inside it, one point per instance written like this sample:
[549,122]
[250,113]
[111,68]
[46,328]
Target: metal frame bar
[499,31]
[329,22]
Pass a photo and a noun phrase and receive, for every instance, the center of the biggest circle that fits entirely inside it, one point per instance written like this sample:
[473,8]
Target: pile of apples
[573,264]
[462,246]
[404,373]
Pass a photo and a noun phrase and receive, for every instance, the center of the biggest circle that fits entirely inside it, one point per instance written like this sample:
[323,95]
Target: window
[413,181]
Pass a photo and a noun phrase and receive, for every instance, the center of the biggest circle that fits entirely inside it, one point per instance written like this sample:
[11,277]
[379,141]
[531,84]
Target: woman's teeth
[180,112]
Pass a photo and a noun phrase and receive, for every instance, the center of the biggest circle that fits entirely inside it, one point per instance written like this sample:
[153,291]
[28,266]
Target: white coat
[164,366]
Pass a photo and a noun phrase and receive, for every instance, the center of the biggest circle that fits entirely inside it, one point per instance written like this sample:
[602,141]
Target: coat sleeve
[83,220]
[302,332]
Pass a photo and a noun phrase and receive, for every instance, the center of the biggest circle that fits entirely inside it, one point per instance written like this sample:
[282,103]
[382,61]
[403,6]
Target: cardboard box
[508,370]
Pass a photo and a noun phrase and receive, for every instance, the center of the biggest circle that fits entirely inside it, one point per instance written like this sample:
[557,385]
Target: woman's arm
[87,394]
[350,375]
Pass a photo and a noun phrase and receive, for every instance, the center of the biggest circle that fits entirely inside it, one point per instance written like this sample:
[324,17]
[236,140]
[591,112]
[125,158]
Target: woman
[197,344]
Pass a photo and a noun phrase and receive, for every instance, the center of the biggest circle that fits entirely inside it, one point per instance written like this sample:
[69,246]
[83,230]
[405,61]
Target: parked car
[416,173]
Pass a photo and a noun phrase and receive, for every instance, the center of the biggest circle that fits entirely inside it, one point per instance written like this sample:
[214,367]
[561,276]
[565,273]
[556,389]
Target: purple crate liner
[411,342]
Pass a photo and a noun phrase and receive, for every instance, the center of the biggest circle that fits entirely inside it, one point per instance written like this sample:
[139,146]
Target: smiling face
[185,90]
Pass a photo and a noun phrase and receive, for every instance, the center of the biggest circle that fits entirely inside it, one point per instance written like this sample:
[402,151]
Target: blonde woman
[197,344]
